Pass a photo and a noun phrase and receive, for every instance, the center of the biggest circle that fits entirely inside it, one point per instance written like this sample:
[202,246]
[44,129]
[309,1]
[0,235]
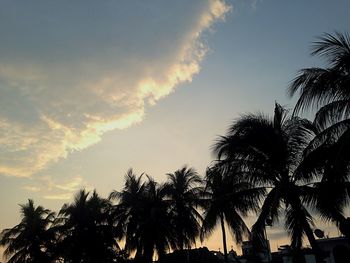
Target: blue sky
[89,90]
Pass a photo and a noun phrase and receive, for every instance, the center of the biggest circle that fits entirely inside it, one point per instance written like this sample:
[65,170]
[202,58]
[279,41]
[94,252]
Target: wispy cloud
[64,196]
[72,185]
[31,188]
[254,3]
[57,189]
[89,74]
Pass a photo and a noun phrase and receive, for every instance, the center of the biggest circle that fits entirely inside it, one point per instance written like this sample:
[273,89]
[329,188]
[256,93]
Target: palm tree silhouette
[184,194]
[328,91]
[29,240]
[127,210]
[274,153]
[226,199]
[143,213]
[86,233]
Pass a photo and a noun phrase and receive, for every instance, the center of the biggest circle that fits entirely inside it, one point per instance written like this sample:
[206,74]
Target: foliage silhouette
[29,240]
[184,194]
[227,200]
[86,233]
[143,213]
[274,153]
[328,91]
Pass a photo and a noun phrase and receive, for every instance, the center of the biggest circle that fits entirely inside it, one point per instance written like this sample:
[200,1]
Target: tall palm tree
[226,199]
[328,91]
[127,210]
[29,240]
[143,213]
[86,233]
[274,153]
[184,194]
[156,231]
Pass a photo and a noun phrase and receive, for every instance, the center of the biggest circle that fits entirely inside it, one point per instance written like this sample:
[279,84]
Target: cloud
[72,185]
[254,4]
[68,75]
[31,188]
[56,189]
[64,196]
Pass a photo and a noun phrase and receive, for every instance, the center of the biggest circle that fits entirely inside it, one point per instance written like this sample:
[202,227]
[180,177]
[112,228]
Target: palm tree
[156,229]
[184,194]
[29,240]
[127,210]
[143,213]
[226,199]
[86,233]
[274,153]
[328,91]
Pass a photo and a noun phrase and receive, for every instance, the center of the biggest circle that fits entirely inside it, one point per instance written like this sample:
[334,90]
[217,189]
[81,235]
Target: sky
[89,90]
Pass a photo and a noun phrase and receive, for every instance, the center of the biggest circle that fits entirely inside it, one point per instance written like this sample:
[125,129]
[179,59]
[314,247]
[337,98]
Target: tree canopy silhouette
[328,91]
[227,199]
[143,213]
[273,152]
[29,240]
[185,187]
[85,229]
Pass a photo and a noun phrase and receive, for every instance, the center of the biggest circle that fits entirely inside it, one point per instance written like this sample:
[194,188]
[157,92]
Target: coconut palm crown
[226,201]
[29,240]
[86,233]
[184,194]
[326,89]
[143,214]
[274,153]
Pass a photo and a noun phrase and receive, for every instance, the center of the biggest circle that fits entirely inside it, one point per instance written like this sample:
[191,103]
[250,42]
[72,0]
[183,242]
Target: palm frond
[236,225]
[328,136]
[297,220]
[316,88]
[320,86]
[332,113]
[333,47]
[270,210]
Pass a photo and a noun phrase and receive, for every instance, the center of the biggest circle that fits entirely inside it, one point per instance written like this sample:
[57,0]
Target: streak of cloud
[67,77]
[55,189]
[31,188]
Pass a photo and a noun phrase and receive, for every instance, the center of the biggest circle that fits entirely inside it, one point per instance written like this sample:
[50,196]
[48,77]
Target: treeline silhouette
[283,167]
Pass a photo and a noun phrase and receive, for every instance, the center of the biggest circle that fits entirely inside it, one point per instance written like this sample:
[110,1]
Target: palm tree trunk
[343,224]
[181,242]
[318,252]
[181,239]
[223,237]
[148,253]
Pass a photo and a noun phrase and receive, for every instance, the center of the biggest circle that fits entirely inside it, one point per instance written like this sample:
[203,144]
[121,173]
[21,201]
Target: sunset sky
[90,89]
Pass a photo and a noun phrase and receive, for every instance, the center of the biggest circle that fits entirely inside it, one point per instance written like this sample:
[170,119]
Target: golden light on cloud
[67,105]
[31,188]
[57,189]
[65,196]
